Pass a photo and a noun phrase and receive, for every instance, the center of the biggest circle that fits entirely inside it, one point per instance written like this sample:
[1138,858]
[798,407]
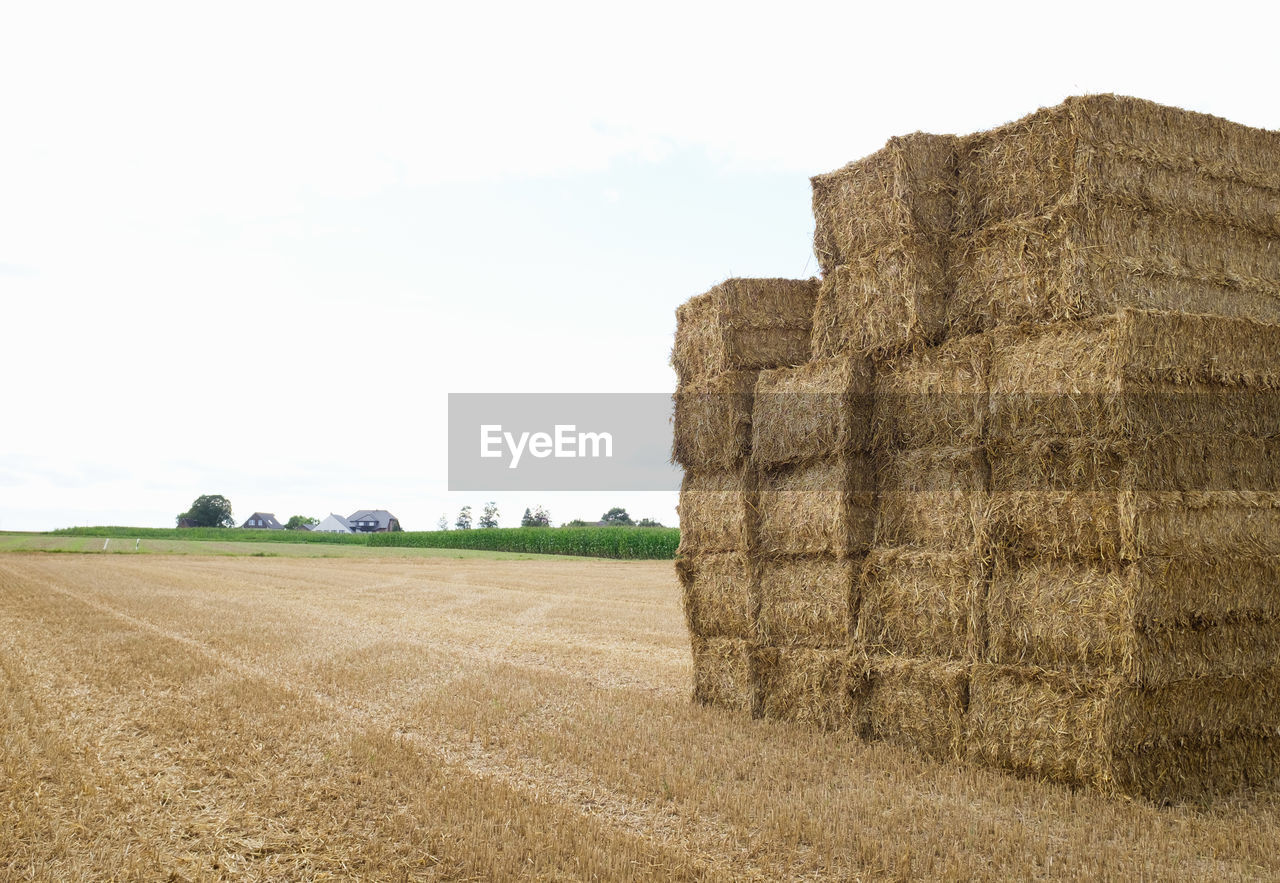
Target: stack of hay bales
[724,339]
[1019,502]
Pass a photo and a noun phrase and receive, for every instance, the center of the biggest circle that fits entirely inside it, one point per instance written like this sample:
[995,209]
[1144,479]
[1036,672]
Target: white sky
[249,248]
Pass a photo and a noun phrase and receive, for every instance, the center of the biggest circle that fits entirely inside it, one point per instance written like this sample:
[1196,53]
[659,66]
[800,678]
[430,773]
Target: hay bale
[1136,374]
[1151,622]
[932,499]
[825,507]
[885,302]
[1125,150]
[813,411]
[717,511]
[933,397]
[1154,463]
[1113,735]
[744,324]
[722,674]
[712,421]
[1127,525]
[806,686]
[918,702]
[1082,261]
[922,604]
[719,594]
[808,601]
[902,192]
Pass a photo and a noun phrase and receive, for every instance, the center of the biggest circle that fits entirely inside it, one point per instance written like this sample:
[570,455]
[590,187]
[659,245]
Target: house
[333,524]
[373,521]
[263,521]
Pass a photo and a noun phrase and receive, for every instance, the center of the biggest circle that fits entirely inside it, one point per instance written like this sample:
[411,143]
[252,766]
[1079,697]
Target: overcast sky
[249,249]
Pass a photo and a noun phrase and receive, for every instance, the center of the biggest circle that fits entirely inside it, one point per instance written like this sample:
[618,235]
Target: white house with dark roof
[333,524]
[262,521]
[373,521]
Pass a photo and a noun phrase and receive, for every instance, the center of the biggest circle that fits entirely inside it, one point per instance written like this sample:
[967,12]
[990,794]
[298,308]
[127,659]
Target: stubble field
[193,718]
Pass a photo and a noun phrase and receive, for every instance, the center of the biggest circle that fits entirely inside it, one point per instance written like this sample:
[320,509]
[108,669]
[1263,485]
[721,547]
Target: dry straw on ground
[808,601]
[818,410]
[744,324]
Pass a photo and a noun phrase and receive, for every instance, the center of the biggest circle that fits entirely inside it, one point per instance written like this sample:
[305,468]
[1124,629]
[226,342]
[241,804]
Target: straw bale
[923,604]
[822,507]
[1128,525]
[1108,147]
[933,498]
[717,511]
[719,594]
[1152,463]
[1082,261]
[1111,734]
[806,685]
[905,190]
[1120,620]
[744,324]
[820,409]
[918,702]
[809,600]
[1136,374]
[936,396]
[722,674]
[712,421]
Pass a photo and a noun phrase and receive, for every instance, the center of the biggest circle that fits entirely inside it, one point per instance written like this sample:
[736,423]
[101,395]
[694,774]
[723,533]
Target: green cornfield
[593,542]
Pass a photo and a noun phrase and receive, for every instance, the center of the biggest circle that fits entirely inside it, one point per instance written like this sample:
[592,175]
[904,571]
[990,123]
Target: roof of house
[381,516]
[268,520]
[329,524]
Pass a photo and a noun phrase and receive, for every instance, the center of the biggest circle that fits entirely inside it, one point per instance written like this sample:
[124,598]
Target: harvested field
[430,718]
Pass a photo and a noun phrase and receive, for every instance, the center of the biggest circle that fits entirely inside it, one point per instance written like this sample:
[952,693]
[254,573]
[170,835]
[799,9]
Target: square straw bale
[808,601]
[933,499]
[1128,525]
[822,507]
[1120,149]
[1136,374]
[1079,262]
[744,324]
[719,594]
[922,604]
[722,674]
[712,421]
[807,686]
[817,410]
[1153,463]
[1121,620]
[1110,734]
[918,702]
[885,302]
[717,511]
[904,191]
[934,397]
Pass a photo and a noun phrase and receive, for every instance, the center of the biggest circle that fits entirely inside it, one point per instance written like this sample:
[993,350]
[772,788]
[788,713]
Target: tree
[209,510]
[539,517]
[300,522]
[443,523]
[577,522]
[489,517]
[464,519]
[648,522]
[617,517]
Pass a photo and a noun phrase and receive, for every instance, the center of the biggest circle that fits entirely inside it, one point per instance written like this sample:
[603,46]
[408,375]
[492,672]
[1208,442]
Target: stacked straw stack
[1016,502]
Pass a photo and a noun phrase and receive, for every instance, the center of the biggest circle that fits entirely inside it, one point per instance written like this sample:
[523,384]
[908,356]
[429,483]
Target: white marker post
[104,543]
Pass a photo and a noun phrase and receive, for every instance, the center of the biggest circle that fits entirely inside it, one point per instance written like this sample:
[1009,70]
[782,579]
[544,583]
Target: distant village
[361,521]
